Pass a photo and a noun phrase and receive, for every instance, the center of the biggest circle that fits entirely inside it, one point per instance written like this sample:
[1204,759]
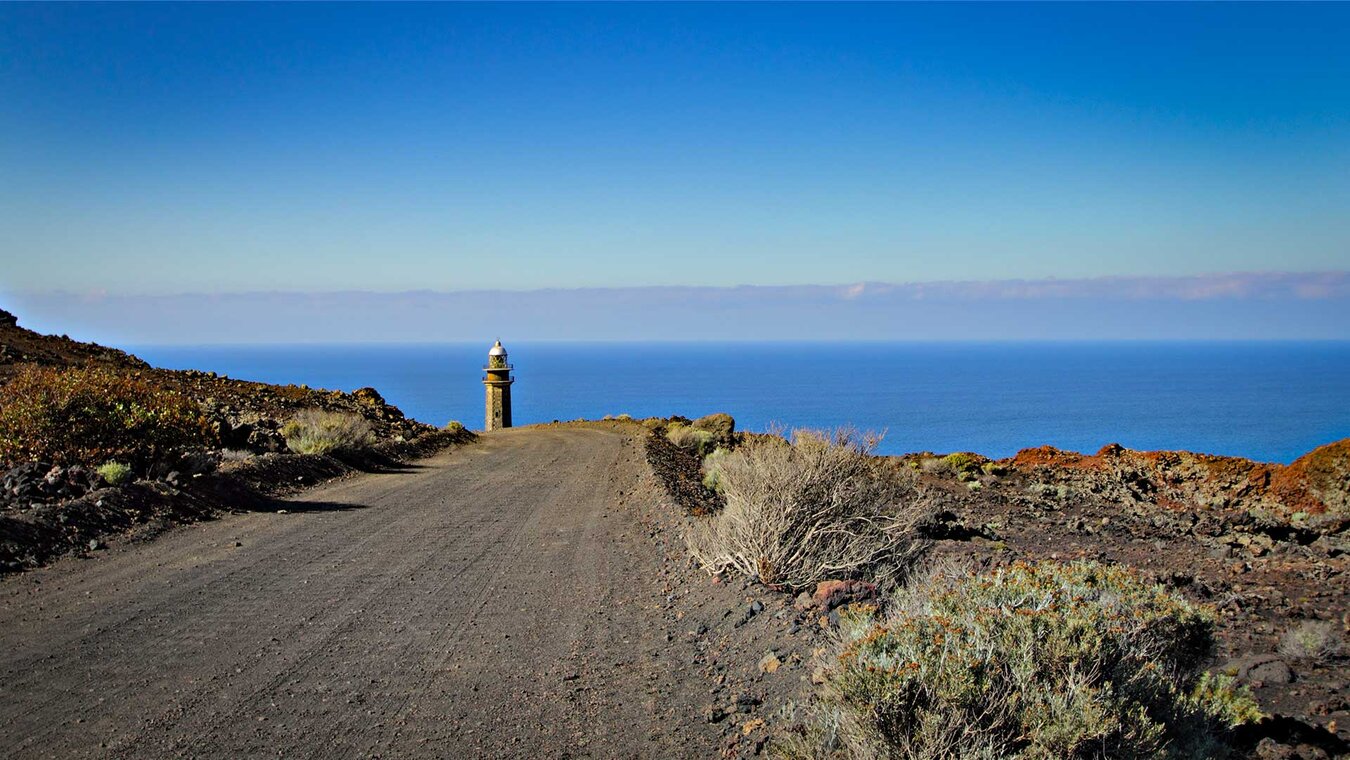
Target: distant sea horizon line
[509,341]
[1237,306]
[1269,401]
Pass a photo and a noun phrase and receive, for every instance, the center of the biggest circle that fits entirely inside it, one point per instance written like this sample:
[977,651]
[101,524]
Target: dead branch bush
[817,508]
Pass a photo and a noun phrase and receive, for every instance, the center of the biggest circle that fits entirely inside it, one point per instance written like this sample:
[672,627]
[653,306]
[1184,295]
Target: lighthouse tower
[498,383]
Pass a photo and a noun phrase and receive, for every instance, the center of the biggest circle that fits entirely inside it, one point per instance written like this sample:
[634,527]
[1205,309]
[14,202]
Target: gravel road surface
[501,599]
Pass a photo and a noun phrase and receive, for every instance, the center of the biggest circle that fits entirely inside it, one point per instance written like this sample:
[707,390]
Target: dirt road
[498,600]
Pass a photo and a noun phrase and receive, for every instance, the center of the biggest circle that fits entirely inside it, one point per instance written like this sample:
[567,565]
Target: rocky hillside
[1311,493]
[244,415]
[1313,488]
[233,454]
[19,346]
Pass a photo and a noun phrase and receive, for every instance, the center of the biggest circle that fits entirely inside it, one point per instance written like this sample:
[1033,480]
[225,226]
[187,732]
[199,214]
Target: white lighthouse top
[497,350]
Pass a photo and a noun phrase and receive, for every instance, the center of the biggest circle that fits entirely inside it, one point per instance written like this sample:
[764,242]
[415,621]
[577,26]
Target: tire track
[483,605]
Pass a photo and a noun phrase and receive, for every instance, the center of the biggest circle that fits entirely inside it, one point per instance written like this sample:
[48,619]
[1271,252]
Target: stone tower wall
[498,412]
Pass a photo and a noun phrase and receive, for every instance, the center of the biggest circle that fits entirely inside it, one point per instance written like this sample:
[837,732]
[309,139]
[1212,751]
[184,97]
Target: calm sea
[1267,401]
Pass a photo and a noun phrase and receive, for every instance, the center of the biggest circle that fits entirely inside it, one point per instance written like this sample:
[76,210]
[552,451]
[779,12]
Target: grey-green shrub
[818,508]
[1313,640]
[712,473]
[114,473]
[1042,660]
[315,431]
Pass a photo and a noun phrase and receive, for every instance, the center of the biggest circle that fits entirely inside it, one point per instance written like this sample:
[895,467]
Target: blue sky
[156,149]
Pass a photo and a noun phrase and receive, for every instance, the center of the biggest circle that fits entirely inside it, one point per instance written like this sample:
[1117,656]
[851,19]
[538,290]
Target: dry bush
[1046,660]
[1313,640]
[821,507]
[236,455]
[88,415]
[315,431]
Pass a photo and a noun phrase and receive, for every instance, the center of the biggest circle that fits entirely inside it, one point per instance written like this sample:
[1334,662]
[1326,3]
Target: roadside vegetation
[316,431]
[115,473]
[815,508]
[702,436]
[91,415]
[1042,660]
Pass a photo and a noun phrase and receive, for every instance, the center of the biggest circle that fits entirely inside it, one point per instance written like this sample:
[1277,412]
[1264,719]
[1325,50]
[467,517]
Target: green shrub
[453,426]
[89,415]
[691,438]
[964,465]
[817,508]
[960,461]
[1038,661]
[315,431]
[114,473]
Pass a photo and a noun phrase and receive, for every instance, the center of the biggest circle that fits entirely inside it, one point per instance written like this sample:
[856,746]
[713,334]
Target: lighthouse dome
[497,350]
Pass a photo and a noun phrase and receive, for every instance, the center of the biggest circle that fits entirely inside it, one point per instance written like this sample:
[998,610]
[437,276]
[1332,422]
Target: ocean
[1268,401]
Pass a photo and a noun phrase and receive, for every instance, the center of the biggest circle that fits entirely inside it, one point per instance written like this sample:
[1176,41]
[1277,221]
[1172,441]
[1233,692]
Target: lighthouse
[498,381]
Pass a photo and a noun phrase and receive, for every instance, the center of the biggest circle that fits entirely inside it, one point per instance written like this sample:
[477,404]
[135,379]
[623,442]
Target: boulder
[1269,669]
[721,425]
[831,594]
[368,396]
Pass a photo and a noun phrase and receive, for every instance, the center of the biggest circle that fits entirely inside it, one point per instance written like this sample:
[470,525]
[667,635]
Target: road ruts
[493,601]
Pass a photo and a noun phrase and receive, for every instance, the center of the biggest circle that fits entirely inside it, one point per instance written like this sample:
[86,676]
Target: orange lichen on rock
[1049,456]
[1317,483]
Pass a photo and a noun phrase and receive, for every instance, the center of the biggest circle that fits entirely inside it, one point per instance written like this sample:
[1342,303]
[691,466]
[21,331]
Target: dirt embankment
[47,510]
[33,536]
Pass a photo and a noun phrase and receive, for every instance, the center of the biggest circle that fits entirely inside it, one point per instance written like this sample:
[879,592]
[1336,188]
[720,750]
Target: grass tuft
[315,431]
[697,440]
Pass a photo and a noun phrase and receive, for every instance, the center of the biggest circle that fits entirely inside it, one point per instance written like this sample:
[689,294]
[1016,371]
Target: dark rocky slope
[47,510]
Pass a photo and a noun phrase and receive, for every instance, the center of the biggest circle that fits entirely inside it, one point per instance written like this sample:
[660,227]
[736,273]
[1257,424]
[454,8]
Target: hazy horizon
[1238,306]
